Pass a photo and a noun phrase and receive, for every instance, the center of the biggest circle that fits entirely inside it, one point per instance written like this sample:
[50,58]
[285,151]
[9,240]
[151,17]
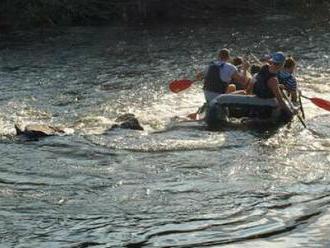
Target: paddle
[292,107]
[301,106]
[180,85]
[193,116]
[301,120]
[319,102]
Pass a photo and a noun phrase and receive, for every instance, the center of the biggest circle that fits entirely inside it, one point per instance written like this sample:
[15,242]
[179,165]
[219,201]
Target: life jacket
[212,80]
[260,87]
[288,80]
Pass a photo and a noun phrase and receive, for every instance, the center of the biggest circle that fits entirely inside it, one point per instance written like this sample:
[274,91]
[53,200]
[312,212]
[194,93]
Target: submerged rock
[128,121]
[35,131]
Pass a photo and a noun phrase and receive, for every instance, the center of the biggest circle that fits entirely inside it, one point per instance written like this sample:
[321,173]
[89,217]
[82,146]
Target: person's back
[228,73]
[212,80]
[219,74]
[227,70]
[260,87]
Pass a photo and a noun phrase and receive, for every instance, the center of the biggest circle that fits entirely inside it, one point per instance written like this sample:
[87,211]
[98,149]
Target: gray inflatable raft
[227,106]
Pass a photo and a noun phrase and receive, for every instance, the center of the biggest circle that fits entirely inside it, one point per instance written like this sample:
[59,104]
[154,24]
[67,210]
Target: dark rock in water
[128,121]
[35,131]
[125,117]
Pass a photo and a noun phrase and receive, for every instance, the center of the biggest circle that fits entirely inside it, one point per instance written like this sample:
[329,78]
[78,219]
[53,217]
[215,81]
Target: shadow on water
[259,129]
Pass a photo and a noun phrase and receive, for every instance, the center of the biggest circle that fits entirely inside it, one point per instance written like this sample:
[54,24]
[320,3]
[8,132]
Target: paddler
[219,75]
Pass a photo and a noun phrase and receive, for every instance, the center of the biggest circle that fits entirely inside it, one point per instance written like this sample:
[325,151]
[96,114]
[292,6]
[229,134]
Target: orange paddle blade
[321,103]
[179,85]
[192,116]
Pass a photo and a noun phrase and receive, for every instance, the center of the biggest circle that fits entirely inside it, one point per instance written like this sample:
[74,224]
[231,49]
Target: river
[173,184]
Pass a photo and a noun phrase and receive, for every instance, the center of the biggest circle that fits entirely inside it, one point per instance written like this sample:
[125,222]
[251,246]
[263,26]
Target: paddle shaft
[199,111]
[301,106]
[292,107]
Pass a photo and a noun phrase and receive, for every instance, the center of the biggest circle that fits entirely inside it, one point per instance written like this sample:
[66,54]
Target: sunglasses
[276,64]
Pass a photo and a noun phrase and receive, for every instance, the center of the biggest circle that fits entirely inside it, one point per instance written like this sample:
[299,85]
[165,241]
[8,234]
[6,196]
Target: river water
[175,184]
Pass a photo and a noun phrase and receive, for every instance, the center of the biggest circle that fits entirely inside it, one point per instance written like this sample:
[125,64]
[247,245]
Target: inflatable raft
[265,112]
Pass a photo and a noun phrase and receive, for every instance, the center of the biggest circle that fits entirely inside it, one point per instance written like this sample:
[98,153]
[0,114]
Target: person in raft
[267,86]
[287,79]
[219,75]
[243,67]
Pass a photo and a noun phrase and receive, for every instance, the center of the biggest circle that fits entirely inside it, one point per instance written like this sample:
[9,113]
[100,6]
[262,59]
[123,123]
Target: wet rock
[127,121]
[35,131]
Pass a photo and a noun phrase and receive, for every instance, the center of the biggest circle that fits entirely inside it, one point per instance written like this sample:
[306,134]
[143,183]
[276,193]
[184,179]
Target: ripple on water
[171,185]
[183,139]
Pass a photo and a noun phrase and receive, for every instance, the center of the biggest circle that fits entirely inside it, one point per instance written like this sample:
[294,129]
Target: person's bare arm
[246,67]
[241,79]
[249,88]
[199,75]
[274,86]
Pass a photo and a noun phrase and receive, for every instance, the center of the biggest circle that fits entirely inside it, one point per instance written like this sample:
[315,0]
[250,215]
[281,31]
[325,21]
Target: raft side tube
[232,105]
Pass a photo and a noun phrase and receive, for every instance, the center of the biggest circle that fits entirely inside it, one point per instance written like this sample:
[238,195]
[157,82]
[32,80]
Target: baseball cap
[278,58]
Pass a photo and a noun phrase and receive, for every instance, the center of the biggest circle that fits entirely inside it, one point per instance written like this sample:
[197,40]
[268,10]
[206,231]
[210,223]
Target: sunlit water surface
[174,184]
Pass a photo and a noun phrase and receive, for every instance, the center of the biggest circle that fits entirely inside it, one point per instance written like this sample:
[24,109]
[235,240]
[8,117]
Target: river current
[175,184]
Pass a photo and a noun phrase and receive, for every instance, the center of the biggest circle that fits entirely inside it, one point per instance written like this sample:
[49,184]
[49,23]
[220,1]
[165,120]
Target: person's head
[231,88]
[255,69]
[277,61]
[237,61]
[224,54]
[290,64]
[265,59]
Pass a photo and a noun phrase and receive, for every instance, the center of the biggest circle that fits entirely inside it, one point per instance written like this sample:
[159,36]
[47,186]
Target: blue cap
[278,58]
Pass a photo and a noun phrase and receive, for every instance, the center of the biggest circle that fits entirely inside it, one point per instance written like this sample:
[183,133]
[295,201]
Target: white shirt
[227,70]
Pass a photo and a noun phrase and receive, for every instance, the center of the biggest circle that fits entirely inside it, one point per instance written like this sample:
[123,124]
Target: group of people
[266,80]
